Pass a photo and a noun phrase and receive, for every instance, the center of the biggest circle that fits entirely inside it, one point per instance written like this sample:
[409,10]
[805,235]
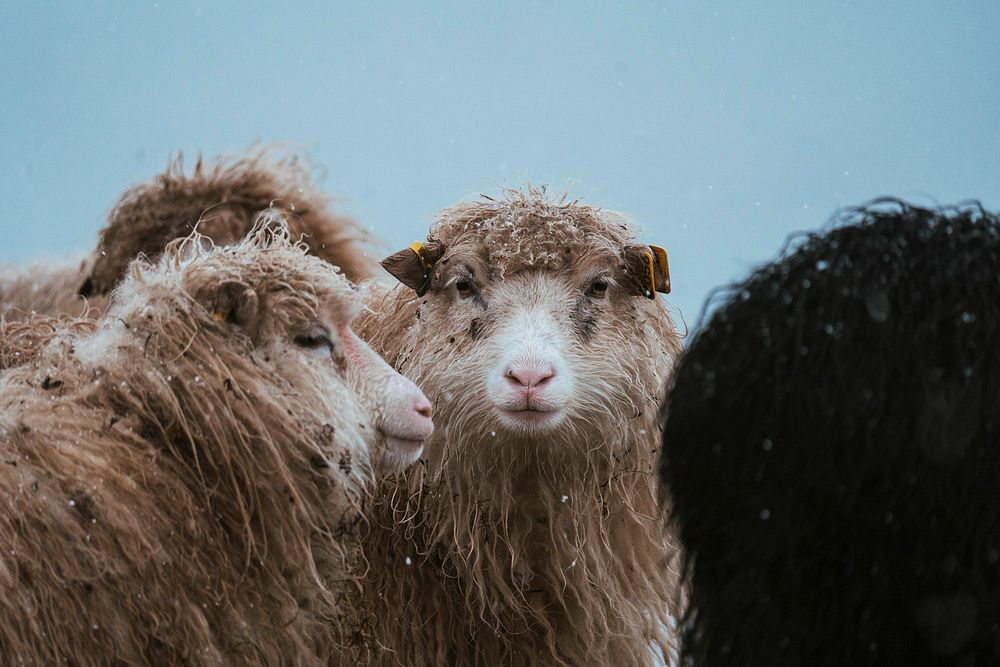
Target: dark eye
[598,288]
[314,338]
[464,287]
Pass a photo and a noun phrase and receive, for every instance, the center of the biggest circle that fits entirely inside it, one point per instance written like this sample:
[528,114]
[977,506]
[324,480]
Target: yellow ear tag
[661,258]
[418,248]
[652,274]
[218,316]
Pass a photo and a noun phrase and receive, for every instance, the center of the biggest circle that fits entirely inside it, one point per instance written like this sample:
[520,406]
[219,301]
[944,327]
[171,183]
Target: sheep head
[274,325]
[528,322]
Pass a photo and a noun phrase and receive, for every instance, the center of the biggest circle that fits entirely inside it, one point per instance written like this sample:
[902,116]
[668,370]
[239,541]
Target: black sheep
[832,450]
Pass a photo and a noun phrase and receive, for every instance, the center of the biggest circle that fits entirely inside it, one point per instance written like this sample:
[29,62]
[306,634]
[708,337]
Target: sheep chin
[531,422]
[395,453]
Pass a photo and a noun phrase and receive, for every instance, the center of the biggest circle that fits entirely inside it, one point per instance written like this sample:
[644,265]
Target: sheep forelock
[526,231]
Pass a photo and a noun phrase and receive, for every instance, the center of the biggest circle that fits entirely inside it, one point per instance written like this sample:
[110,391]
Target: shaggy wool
[222,199]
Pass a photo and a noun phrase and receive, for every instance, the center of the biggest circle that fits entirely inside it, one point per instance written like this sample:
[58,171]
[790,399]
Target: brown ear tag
[647,270]
[659,270]
[412,266]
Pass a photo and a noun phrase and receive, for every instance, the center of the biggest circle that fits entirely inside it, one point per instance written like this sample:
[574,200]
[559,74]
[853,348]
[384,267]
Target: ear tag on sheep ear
[648,270]
[418,248]
[659,270]
[412,266]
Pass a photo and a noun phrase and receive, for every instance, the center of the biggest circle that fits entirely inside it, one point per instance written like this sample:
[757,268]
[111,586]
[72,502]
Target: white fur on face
[530,383]
[396,414]
[588,355]
[401,411]
[516,359]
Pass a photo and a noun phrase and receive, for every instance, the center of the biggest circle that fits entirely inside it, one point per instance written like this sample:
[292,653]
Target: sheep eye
[598,289]
[464,287]
[314,339]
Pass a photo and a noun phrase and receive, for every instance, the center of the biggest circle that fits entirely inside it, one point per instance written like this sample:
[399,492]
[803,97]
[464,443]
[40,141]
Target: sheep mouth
[402,444]
[531,417]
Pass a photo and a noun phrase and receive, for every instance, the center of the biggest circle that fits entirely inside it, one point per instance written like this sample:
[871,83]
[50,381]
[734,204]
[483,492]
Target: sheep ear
[648,270]
[233,302]
[412,266]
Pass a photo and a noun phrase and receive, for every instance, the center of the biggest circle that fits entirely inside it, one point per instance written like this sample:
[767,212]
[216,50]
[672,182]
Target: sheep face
[286,313]
[300,321]
[532,350]
[532,343]
[323,351]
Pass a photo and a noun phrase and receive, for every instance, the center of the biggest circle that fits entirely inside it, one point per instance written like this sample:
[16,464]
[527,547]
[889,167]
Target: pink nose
[529,376]
[408,413]
[422,406]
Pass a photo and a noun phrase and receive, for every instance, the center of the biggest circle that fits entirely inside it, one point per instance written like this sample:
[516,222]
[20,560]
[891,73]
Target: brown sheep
[529,534]
[181,486]
[223,200]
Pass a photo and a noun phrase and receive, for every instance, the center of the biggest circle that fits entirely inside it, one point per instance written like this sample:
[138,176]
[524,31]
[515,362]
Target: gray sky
[719,126]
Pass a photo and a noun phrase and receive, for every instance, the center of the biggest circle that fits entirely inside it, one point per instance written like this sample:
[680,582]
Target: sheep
[529,531]
[223,200]
[182,484]
[831,454]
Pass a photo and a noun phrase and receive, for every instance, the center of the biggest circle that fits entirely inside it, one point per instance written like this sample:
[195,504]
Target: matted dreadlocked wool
[223,200]
[520,547]
[832,450]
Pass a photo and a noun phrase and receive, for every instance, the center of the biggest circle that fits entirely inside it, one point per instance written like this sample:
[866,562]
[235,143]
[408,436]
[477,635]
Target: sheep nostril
[530,377]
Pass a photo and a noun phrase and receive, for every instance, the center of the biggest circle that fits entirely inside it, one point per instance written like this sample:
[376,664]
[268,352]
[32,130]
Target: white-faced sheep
[831,449]
[223,200]
[529,532]
[181,485]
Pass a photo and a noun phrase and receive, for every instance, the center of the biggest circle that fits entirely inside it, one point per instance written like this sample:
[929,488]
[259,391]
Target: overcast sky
[719,127]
